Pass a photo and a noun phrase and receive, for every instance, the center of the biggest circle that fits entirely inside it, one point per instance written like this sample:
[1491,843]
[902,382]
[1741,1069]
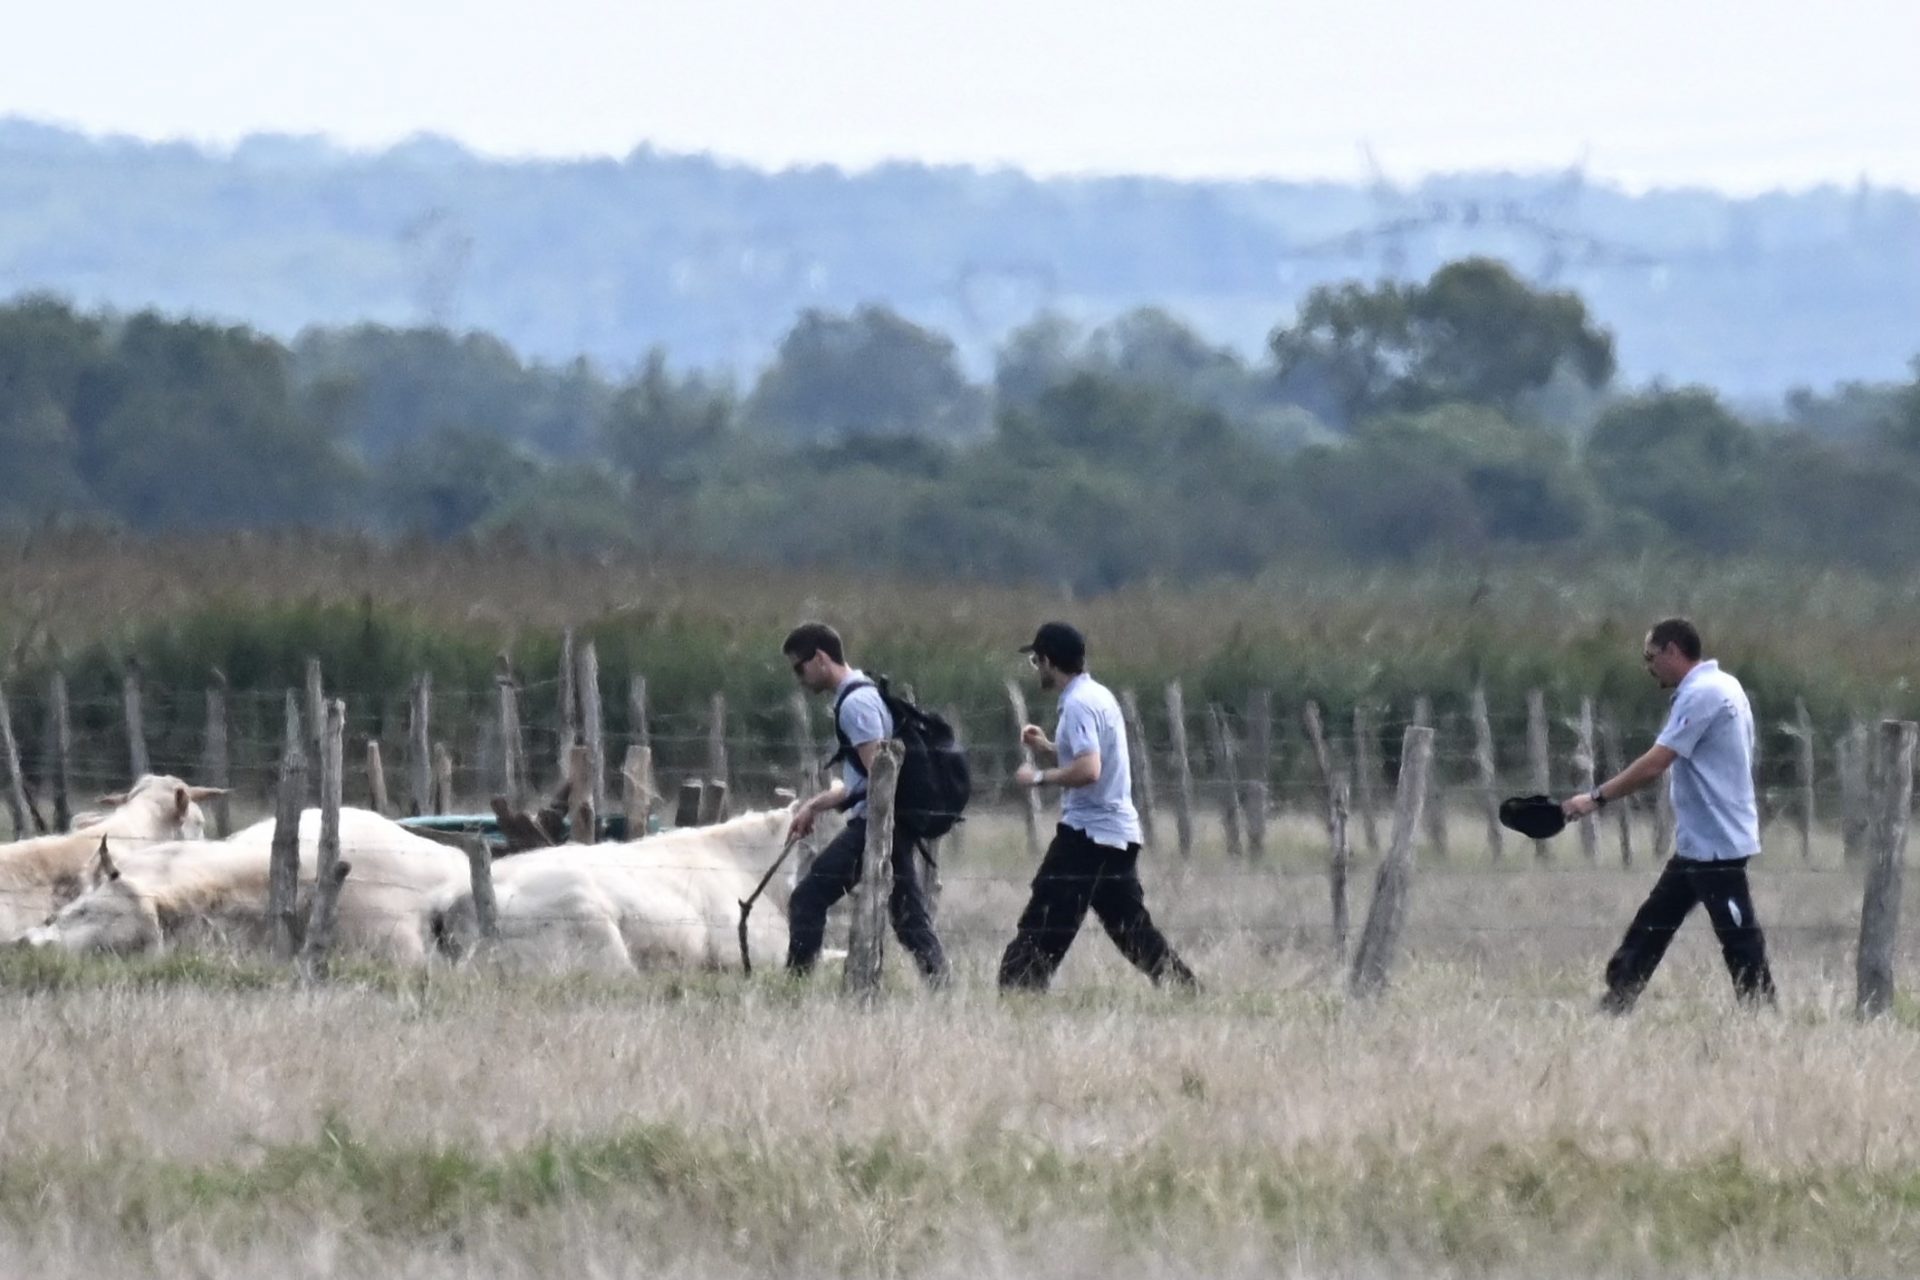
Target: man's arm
[805,813]
[1641,773]
[1082,771]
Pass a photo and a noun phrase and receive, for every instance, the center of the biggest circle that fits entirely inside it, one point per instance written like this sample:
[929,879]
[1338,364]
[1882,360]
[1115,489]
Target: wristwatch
[1595,796]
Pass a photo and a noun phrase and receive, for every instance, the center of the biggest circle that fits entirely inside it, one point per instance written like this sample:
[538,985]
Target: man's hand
[1026,776]
[1034,738]
[802,823]
[1578,806]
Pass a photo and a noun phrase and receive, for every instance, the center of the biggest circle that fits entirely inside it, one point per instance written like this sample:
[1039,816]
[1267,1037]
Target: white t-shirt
[1090,720]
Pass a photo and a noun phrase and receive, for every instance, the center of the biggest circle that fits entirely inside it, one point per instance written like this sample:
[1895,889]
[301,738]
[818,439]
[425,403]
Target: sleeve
[1688,722]
[863,717]
[1079,732]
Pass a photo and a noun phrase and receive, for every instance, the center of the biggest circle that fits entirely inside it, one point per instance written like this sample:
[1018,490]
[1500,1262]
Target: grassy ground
[205,1116]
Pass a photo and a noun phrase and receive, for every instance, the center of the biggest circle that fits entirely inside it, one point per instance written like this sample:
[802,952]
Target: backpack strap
[846,751]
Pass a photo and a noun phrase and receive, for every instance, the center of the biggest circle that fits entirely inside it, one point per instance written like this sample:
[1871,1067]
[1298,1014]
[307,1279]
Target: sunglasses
[800,665]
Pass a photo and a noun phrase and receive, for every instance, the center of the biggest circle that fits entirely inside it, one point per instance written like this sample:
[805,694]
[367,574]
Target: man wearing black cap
[1093,860]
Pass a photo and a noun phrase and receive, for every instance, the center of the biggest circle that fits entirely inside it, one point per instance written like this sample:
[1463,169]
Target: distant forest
[609,259]
[1471,415]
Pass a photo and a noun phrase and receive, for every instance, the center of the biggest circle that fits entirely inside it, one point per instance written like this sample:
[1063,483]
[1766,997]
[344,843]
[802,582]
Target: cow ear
[116,798]
[104,870]
[181,802]
[205,793]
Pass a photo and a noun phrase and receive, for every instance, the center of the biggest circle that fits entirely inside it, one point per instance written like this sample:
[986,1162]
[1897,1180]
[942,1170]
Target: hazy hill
[713,261]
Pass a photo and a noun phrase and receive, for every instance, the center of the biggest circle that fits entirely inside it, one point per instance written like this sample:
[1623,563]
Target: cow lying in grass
[39,875]
[150,899]
[669,901]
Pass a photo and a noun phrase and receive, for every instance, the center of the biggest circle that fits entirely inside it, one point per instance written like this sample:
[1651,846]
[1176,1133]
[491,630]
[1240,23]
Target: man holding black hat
[1708,744]
[1093,859]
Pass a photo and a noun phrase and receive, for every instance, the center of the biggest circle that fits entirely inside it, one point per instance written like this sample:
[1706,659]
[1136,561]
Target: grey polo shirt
[1090,720]
[1710,728]
[863,718]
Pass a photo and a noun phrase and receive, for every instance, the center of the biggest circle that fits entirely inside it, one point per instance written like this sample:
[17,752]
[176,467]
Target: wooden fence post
[316,720]
[329,871]
[1387,912]
[866,945]
[218,765]
[806,756]
[1436,806]
[1585,765]
[1140,760]
[636,790]
[1855,802]
[713,803]
[1880,905]
[1228,781]
[592,723]
[420,743]
[1366,772]
[136,722]
[283,866]
[442,778]
[1485,762]
[486,910]
[1259,771]
[580,811]
[1539,758]
[719,772]
[954,844]
[1337,787]
[1802,731]
[1182,768]
[569,707]
[513,755]
[1613,761]
[377,780]
[60,750]
[687,806]
[17,807]
[1029,796]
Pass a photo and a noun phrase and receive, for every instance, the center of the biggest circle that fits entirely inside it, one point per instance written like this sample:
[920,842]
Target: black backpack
[935,783]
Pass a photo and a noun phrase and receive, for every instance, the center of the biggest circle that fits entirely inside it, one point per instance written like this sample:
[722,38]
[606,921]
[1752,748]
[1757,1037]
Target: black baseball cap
[1060,644]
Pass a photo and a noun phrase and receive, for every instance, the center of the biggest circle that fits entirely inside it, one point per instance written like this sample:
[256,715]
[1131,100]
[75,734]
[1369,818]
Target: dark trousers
[832,877]
[1077,874]
[1721,887]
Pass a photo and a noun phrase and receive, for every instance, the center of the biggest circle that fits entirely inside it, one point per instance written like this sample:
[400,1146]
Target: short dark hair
[810,638]
[1677,632]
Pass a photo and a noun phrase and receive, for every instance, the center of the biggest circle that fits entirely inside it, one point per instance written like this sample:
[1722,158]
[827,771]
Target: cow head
[157,807]
[109,915]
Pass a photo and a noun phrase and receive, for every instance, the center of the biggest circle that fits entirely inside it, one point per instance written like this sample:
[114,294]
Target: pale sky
[1736,94]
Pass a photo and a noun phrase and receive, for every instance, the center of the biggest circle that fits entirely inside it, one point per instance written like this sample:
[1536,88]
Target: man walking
[861,722]
[1708,743]
[1093,859]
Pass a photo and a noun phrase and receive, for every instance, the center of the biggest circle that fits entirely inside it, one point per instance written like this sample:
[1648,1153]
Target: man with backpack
[1094,858]
[864,716]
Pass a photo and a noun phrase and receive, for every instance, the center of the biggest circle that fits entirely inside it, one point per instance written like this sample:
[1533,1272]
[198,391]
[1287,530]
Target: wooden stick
[1880,905]
[377,780]
[60,750]
[217,767]
[419,739]
[136,722]
[1484,761]
[1140,762]
[1182,768]
[592,732]
[1387,912]
[1221,740]
[330,873]
[1538,759]
[283,865]
[1366,772]
[866,946]
[1030,797]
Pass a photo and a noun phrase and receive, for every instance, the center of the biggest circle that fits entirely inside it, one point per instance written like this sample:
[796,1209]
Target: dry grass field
[205,1116]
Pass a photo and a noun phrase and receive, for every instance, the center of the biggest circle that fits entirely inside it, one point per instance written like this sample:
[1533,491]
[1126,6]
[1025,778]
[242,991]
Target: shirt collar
[853,674]
[1068,686]
[1706,666]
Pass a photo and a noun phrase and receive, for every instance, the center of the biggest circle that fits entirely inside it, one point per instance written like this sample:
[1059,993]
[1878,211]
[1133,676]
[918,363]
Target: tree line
[1471,414]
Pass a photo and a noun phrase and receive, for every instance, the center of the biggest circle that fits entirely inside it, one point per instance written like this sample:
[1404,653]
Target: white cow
[40,874]
[153,898]
[670,900]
